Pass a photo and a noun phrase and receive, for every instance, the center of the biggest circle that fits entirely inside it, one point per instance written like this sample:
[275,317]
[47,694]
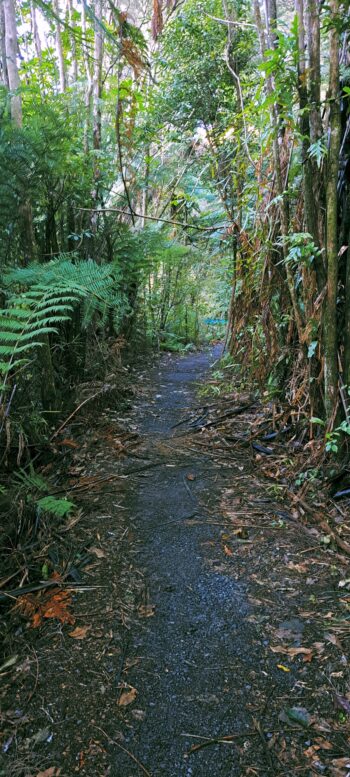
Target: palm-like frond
[40,297]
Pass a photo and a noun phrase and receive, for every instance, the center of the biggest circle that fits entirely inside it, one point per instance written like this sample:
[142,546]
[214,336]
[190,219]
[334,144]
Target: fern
[58,507]
[41,297]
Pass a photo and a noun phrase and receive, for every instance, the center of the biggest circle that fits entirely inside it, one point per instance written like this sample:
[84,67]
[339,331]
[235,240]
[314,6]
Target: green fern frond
[41,297]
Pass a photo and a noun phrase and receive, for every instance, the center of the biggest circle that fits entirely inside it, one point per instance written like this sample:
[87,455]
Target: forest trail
[197,650]
[187,629]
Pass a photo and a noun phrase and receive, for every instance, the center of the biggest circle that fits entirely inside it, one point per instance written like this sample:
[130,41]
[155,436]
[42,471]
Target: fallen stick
[28,589]
[215,421]
[89,399]
[226,739]
[124,749]
[192,497]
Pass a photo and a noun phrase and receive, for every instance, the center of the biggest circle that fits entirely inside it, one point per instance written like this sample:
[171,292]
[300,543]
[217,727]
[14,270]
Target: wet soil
[180,615]
[199,653]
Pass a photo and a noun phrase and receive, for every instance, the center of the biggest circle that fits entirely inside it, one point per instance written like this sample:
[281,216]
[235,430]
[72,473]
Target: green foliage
[57,507]
[301,249]
[318,151]
[42,297]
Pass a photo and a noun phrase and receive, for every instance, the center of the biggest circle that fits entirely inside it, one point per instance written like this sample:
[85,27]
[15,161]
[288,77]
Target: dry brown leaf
[330,637]
[292,652]
[324,744]
[147,610]
[52,771]
[69,443]
[80,632]
[344,763]
[228,551]
[98,552]
[127,697]
[297,567]
[51,604]
[190,476]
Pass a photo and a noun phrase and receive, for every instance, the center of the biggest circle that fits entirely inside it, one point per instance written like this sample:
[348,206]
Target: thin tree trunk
[59,47]
[4,75]
[89,82]
[347,322]
[330,313]
[97,115]
[35,30]
[145,189]
[11,45]
[72,38]
[11,48]
[314,184]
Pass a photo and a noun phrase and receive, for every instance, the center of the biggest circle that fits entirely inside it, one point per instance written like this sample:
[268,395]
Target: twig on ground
[89,399]
[188,490]
[225,739]
[124,749]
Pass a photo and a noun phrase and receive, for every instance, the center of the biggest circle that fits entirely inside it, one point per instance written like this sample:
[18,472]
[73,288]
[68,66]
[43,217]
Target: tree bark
[330,313]
[97,114]
[4,75]
[73,41]
[347,322]
[59,47]
[271,18]
[35,30]
[313,175]
[11,48]
[89,82]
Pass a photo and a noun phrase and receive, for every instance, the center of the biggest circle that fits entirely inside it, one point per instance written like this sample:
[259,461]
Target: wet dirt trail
[199,605]
[197,655]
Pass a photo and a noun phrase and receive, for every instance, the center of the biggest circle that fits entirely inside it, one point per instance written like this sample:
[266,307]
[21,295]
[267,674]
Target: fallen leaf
[147,610]
[127,697]
[323,744]
[293,651]
[283,668]
[51,604]
[69,443]
[80,632]
[10,662]
[333,639]
[296,715]
[342,762]
[138,714]
[297,567]
[98,552]
[190,476]
[228,551]
[342,702]
[52,771]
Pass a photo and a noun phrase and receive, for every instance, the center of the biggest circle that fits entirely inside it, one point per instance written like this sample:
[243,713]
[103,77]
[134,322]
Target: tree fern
[40,297]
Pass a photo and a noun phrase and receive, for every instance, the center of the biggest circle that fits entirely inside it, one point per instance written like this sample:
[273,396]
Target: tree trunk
[347,322]
[47,383]
[35,31]
[73,41]
[313,176]
[59,47]
[97,114]
[4,79]
[271,17]
[11,61]
[89,82]
[330,313]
